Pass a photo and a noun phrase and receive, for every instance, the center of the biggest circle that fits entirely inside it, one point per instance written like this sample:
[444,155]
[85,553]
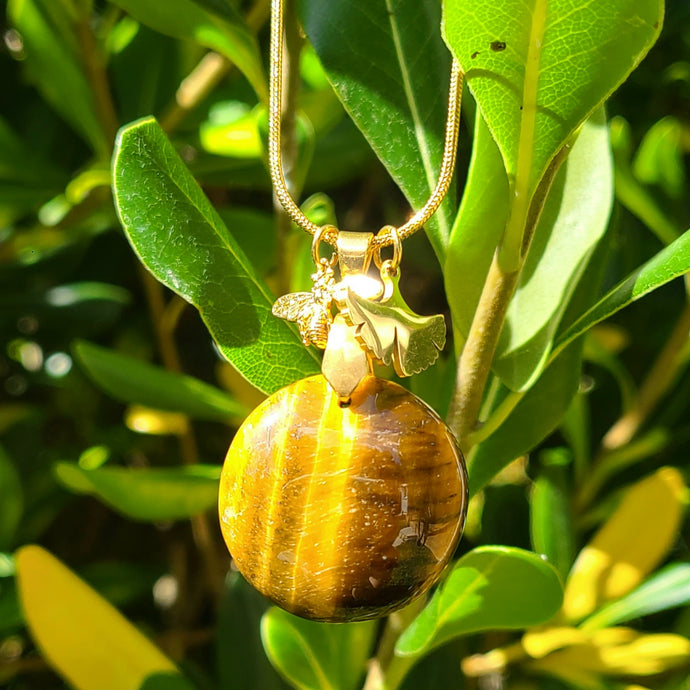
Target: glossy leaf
[227,34]
[538,69]
[53,52]
[671,262]
[317,656]
[147,494]
[551,521]
[490,588]
[394,86]
[11,501]
[181,239]
[133,381]
[669,588]
[573,221]
[629,545]
[99,647]
[255,232]
[240,657]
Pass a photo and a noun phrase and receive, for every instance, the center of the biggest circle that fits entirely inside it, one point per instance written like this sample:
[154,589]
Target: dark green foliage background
[71,285]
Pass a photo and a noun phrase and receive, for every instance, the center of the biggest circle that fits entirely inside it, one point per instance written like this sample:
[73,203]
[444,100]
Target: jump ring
[324,234]
[392,263]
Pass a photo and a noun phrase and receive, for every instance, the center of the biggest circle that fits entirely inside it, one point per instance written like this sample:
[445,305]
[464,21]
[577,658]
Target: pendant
[343,495]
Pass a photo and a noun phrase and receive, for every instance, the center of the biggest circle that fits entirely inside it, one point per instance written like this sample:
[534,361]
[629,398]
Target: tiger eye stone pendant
[343,496]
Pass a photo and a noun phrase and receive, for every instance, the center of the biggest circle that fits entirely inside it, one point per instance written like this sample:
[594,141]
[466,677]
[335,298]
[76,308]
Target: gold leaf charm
[394,334]
[310,310]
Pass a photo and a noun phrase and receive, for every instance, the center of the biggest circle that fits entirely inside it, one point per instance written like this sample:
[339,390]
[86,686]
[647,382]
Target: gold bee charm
[310,310]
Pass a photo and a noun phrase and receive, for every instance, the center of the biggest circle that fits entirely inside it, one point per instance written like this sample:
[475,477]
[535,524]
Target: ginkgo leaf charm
[396,335]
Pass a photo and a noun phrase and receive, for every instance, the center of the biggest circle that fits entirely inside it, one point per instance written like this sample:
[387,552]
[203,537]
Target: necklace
[343,495]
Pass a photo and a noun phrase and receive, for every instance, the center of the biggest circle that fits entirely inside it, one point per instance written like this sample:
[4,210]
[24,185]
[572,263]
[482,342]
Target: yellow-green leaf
[629,546]
[619,651]
[86,640]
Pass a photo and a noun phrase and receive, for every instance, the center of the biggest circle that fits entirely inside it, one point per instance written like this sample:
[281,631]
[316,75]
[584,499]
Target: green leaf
[667,589]
[317,656]
[476,231]
[490,588]
[535,415]
[11,501]
[227,34]
[240,656]
[573,221]
[539,68]
[148,495]
[75,308]
[394,86]
[255,232]
[631,192]
[133,381]
[659,159]
[233,131]
[53,57]
[551,520]
[181,239]
[671,262]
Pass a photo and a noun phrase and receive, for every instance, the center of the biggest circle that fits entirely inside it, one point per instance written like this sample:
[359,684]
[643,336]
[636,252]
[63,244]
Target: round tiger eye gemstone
[342,513]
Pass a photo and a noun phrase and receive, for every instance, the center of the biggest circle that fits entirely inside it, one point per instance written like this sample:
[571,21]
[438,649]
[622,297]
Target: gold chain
[387,236]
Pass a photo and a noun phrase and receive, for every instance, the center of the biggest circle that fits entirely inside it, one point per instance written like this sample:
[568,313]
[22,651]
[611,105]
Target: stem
[201,529]
[98,80]
[617,451]
[207,74]
[477,355]
[494,662]
[475,361]
[612,461]
[659,379]
[292,48]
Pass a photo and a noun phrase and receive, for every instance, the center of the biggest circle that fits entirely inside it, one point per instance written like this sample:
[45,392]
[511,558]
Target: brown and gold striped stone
[342,513]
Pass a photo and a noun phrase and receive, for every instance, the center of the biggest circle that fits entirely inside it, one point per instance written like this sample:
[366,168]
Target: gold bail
[354,252]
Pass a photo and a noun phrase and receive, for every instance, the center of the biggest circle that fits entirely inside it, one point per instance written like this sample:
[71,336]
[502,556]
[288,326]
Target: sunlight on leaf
[394,87]
[181,239]
[490,588]
[317,656]
[99,648]
[629,546]
[539,68]
[618,652]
